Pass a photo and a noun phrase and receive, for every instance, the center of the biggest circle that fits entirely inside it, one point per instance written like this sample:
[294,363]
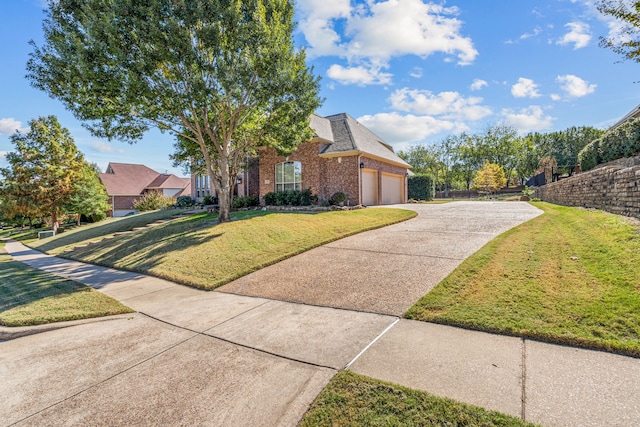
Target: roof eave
[368,155]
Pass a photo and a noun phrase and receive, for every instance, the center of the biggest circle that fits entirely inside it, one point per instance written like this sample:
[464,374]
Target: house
[343,156]
[125,183]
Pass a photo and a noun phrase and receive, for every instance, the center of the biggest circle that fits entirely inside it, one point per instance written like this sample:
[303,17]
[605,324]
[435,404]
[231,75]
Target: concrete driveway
[251,355]
[386,270]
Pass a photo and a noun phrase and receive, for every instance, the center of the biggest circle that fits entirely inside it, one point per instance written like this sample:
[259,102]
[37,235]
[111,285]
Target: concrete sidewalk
[213,358]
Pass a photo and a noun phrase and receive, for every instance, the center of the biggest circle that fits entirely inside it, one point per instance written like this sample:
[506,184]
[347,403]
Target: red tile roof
[124,179]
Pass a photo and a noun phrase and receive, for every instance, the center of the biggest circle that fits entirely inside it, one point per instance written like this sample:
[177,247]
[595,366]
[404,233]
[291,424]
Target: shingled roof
[348,137]
[125,179]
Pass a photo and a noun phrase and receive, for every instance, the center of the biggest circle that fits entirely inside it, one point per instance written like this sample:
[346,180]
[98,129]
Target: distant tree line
[455,160]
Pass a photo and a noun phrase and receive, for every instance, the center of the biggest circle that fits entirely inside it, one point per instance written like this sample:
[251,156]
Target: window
[288,176]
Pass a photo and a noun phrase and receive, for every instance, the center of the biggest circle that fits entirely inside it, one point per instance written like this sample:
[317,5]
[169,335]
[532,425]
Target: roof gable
[125,179]
[349,135]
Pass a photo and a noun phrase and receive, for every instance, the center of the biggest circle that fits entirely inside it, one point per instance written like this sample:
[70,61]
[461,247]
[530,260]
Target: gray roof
[322,127]
[348,135]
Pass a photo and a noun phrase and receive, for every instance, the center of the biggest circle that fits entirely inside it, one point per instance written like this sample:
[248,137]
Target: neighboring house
[125,183]
[344,156]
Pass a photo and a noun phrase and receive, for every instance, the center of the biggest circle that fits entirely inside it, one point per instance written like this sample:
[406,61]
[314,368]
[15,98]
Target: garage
[392,189]
[369,187]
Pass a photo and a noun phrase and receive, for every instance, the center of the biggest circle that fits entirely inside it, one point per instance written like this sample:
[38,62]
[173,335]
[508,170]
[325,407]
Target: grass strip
[199,252]
[32,297]
[355,400]
[570,276]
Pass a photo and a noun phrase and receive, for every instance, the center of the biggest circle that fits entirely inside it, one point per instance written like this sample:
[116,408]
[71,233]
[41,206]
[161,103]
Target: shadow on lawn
[20,286]
[105,229]
[144,249]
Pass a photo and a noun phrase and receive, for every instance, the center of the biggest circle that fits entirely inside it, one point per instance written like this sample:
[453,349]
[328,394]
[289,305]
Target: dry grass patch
[196,251]
[569,276]
[355,400]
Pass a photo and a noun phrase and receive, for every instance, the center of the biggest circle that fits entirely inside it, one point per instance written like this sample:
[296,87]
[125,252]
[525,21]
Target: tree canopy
[46,173]
[223,76]
[489,178]
[627,41]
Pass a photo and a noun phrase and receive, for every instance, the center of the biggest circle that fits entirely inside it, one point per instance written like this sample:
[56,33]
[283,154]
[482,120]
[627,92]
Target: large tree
[627,41]
[43,172]
[89,197]
[222,75]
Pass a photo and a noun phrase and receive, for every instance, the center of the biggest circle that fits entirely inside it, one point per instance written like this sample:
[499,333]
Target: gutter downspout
[359,179]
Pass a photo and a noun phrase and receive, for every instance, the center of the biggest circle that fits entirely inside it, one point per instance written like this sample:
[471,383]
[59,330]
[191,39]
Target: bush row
[421,187]
[290,198]
[623,141]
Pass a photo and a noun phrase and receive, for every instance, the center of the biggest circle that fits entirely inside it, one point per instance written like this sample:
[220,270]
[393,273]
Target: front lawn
[355,400]
[74,235]
[33,297]
[199,252]
[569,276]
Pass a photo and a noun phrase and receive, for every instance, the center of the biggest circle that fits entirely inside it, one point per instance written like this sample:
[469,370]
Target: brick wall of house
[340,174]
[306,153]
[123,202]
[614,187]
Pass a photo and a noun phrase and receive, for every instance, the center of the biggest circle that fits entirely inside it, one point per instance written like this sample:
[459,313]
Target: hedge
[421,187]
[623,141]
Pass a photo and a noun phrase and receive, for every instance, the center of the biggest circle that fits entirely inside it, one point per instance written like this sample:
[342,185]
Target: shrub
[290,198]
[421,187]
[589,156]
[270,199]
[151,201]
[209,200]
[245,202]
[184,201]
[623,141]
[337,198]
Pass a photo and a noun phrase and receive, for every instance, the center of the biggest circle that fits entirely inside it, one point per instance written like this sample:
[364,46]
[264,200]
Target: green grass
[74,235]
[198,252]
[570,276]
[33,297]
[355,400]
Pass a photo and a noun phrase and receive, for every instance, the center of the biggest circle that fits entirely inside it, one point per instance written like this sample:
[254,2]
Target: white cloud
[395,128]
[103,147]
[358,75]
[3,154]
[371,33]
[555,97]
[449,105]
[9,126]
[478,84]
[525,88]
[528,119]
[574,86]
[578,35]
[416,72]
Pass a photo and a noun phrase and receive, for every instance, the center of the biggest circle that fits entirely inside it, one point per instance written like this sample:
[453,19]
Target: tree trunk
[54,222]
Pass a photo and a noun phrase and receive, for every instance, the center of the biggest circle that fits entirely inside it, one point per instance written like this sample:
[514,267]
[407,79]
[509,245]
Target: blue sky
[413,71]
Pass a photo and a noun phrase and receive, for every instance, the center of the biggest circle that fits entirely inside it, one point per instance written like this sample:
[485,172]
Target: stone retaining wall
[613,187]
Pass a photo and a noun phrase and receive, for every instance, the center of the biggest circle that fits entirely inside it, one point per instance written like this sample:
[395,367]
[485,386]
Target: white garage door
[369,187]
[392,189]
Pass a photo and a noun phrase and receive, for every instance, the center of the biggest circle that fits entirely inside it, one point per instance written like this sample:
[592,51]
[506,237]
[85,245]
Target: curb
[8,333]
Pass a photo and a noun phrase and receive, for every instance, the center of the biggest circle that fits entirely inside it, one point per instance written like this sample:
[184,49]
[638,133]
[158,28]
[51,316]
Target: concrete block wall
[613,187]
